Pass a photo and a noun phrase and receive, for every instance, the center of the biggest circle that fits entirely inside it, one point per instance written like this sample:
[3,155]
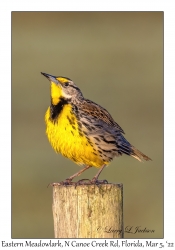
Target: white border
[5,93]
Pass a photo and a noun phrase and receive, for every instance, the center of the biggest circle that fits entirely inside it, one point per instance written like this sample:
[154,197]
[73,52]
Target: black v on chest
[55,110]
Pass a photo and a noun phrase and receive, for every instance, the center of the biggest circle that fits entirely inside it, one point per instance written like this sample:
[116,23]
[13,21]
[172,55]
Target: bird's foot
[67,182]
[83,182]
[94,181]
[97,182]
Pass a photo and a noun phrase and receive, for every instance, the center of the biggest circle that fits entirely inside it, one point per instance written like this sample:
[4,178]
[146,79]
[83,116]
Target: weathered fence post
[88,211]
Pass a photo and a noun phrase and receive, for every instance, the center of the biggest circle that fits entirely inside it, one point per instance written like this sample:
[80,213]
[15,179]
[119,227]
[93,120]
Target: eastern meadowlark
[82,130]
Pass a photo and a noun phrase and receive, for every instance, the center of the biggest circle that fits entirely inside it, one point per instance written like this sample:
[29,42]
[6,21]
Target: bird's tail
[139,155]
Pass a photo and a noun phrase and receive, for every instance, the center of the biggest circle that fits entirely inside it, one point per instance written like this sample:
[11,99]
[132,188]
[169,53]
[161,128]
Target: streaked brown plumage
[82,130]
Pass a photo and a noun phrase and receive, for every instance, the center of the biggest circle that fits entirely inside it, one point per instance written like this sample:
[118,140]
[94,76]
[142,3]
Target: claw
[67,182]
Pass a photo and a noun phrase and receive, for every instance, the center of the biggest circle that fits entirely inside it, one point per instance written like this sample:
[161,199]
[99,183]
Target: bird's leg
[68,181]
[95,179]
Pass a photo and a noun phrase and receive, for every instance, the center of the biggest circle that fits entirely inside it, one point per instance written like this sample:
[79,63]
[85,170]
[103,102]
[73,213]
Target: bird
[82,130]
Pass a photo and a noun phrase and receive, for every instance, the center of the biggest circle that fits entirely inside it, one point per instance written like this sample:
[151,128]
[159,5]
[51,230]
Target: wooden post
[88,211]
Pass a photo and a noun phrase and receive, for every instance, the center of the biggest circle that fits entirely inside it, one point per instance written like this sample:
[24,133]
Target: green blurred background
[116,58]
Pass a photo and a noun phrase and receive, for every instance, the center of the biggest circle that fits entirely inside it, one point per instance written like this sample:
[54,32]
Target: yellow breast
[66,137]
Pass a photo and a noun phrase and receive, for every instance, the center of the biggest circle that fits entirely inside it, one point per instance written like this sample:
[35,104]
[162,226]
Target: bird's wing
[91,109]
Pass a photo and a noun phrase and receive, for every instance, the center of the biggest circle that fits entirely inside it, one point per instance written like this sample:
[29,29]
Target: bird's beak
[50,78]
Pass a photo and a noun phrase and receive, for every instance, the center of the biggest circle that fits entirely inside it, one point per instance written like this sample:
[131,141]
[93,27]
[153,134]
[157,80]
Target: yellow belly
[64,136]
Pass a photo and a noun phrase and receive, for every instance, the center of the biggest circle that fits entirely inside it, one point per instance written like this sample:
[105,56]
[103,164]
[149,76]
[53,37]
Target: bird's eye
[66,84]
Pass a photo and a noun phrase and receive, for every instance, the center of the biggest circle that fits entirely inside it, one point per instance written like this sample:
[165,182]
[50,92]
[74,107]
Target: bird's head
[62,88]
